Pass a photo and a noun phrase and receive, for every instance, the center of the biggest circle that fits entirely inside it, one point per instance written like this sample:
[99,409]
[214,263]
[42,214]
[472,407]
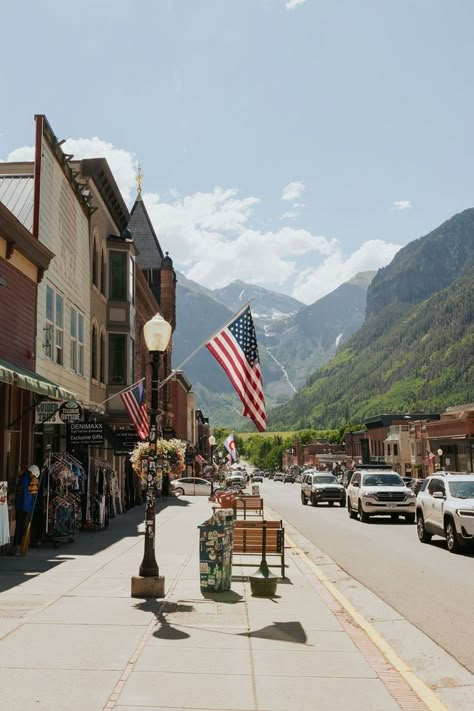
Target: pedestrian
[165,486]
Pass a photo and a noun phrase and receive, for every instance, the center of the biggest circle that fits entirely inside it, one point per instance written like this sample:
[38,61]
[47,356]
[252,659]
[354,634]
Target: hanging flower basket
[169,455]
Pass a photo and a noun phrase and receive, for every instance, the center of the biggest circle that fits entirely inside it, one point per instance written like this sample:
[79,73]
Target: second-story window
[103,273]
[49,326]
[94,352]
[73,353]
[95,262]
[102,358]
[118,276]
[117,358]
[131,280]
[59,330]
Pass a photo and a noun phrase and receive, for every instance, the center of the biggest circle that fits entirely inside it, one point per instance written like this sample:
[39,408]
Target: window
[77,341]
[118,276]
[102,358]
[131,281]
[117,358]
[80,343]
[395,450]
[59,330]
[49,328]
[95,262]
[103,273]
[94,352]
[73,353]
[131,365]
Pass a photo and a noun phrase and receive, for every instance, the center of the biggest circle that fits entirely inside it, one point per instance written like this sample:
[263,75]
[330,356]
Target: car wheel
[179,491]
[352,514]
[304,500]
[364,517]
[342,503]
[314,501]
[410,518]
[423,534]
[452,538]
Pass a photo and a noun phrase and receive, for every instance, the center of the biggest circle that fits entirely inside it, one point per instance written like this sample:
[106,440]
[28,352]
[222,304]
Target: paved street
[72,638]
[426,584]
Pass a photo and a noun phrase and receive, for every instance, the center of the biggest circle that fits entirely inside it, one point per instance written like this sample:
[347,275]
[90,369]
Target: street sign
[85,433]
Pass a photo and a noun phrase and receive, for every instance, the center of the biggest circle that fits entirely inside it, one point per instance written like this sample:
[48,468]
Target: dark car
[289,479]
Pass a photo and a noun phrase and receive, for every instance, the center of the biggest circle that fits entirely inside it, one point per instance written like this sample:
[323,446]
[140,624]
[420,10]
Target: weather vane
[139,179]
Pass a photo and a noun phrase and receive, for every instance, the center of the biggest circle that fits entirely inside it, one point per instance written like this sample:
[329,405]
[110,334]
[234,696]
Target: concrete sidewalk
[71,637]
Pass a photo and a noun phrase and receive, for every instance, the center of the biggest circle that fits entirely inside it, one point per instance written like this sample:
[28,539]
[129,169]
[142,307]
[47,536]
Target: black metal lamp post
[157,334]
[212,445]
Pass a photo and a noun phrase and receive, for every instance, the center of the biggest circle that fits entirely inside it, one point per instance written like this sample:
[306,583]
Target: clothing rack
[63,503]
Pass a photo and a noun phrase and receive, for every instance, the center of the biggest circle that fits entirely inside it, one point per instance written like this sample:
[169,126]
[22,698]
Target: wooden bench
[252,505]
[248,541]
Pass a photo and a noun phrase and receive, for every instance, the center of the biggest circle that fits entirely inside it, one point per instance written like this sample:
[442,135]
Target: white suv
[445,507]
[374,492]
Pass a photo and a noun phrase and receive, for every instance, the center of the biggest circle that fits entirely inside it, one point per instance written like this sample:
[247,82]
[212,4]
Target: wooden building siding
[64,228]
[18,317]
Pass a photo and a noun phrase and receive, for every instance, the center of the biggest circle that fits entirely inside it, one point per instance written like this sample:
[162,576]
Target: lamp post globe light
[157,334]
[440,455]
[212,445]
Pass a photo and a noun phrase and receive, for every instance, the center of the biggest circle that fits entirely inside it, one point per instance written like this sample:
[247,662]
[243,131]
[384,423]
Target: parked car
[445,507]
[279,476]
[377,492]
[191,486]
[319,486]
[289,479]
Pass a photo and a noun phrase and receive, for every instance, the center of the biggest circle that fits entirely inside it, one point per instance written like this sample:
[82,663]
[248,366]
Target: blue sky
[359,112]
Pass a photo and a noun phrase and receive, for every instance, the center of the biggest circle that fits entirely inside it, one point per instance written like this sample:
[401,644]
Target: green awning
[28,380]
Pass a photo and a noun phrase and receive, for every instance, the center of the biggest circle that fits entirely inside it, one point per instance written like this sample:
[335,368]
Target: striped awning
[13,374]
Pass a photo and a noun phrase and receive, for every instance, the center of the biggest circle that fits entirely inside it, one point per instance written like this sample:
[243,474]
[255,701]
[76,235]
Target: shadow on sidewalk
[15,570]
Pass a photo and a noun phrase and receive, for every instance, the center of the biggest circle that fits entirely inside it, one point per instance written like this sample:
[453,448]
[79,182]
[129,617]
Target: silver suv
[445,507]
[374,493]
[321,486]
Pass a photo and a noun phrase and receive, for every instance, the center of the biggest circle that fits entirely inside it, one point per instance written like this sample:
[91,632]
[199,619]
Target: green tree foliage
[406,358]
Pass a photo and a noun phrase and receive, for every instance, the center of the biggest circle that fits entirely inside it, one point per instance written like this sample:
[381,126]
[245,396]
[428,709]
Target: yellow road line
[429,698]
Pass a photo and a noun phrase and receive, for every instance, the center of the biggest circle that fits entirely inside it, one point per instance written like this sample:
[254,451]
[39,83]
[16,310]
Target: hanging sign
[85,433]
[48,411]
[71,411]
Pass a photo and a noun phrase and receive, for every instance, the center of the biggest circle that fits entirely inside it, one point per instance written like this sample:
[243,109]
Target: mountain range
[293,339]
[415,349]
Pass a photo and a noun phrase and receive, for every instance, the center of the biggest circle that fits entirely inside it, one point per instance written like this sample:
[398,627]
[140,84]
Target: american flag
[134,401]
[235,347]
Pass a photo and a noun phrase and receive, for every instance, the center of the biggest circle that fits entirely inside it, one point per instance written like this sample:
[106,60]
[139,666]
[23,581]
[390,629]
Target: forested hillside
[407,356]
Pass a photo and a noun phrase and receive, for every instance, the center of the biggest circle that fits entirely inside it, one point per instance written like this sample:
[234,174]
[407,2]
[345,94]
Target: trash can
[215,552]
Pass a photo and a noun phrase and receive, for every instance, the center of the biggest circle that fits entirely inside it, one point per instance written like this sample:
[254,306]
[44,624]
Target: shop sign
[71,411]
[85,433]
[48,411]
[127,441]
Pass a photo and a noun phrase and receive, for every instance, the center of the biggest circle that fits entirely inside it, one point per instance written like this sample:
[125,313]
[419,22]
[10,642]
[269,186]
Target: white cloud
[211,238]
[289,215]
[317,281]
[292,4]
[402,204]
[123,164]
[293,191]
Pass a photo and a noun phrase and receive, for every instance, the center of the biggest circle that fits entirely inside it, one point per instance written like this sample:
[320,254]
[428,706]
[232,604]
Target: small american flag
[235,347]
[134,401]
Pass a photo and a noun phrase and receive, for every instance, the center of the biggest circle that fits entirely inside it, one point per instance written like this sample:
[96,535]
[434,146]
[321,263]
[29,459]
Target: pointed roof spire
[139,182]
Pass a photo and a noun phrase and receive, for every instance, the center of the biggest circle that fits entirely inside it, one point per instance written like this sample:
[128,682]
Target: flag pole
[196,350]
[129,387]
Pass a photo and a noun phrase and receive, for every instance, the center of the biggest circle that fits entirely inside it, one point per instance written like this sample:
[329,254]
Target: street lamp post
[212,445]
[157,334]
